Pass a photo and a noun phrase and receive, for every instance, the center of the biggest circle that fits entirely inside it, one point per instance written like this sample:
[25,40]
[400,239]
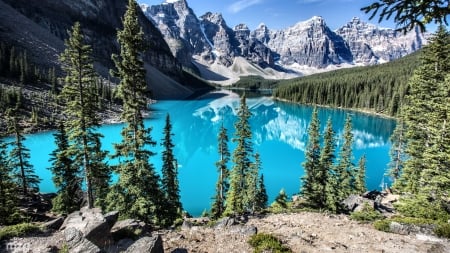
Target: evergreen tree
[66,176]
[251,184]
[235,202]
[170,185]
[344,168]
[280,201]
[218,206]
[425,115]
[397,151]
[8,199]
[329,195]
[360,179]
[81,108]
[311,188]
[261,196]
[408,14]
[101,175]
[22,170]
[137,193]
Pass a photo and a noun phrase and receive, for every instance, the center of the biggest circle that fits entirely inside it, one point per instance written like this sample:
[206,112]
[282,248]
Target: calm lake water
[279,133]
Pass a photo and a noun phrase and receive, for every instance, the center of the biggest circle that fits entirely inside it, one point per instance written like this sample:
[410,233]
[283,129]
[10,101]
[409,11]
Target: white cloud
[242,4]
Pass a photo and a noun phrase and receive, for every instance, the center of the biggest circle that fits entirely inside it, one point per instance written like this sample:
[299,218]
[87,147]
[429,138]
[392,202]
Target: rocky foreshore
[88,230]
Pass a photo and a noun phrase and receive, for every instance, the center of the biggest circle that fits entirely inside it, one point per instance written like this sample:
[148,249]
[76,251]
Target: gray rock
[91,223]
[111,217]
[407,229]
[225,222]
[352,201]
[186,225]
[147,244]
[77,243]
[54,224]
[244,230]
[129,228]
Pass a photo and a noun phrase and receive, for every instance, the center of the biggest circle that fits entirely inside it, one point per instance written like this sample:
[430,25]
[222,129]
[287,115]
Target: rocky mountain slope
[40,27]
[221,53]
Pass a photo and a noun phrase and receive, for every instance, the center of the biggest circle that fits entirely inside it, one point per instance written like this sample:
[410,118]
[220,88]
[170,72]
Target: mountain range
[181,41]
[222,54]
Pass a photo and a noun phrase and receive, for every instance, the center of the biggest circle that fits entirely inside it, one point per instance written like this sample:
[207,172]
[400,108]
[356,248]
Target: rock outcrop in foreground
[90,231]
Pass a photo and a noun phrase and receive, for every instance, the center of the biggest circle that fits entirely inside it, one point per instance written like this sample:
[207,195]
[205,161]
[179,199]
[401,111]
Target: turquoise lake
[279,134]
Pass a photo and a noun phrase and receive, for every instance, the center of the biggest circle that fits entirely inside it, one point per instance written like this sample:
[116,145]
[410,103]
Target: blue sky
[278,14]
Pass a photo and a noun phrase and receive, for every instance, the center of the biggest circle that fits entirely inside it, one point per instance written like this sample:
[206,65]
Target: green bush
[18,230]
[382,225]
[443,230]
[267,243]
[420,207]
[367,214]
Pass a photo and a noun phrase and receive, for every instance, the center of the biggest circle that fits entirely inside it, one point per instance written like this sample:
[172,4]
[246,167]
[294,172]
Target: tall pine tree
[235,202]
[360,176]
[311,187]
[22,170]
[137,193]
[66,176]
[170,186]
[425,115]
[8,190]
[397,152]
[344,169]
[81,109]
[218,206]
[328,198]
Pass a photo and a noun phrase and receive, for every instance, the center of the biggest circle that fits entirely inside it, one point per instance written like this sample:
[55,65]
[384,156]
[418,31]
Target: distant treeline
[380,88]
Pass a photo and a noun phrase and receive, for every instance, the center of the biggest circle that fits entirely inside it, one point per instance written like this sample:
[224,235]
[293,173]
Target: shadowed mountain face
[40,27]
[306,47]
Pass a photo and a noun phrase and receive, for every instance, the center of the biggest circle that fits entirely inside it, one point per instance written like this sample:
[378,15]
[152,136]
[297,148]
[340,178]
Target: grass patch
[18,230]
[267,243]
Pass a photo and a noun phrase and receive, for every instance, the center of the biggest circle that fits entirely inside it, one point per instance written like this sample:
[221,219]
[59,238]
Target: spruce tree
[360,179]
[261,195]
[397,152]
[137,193]
[328,197]
[81,109]
[425,115]
[8,199]
[311,188]
[251,184]
[66,176]
[22,170]
[218,206]
[235,202]
[344,169]
[170,185]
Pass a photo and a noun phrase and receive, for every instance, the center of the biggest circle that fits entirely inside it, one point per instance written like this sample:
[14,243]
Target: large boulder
[129,228]
[77,243]
[407,229]
[54,224]
[355,203]
[92,224]
[147,244]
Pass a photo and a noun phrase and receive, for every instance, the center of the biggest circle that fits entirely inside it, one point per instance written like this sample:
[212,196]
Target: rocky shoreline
[88,230]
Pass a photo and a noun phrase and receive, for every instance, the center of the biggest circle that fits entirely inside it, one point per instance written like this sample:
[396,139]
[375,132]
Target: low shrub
[443,230]
[382,225]
[267,243]
[18,230]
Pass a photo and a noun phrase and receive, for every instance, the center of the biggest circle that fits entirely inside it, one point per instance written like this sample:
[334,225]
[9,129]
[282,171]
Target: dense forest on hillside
[379,88]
